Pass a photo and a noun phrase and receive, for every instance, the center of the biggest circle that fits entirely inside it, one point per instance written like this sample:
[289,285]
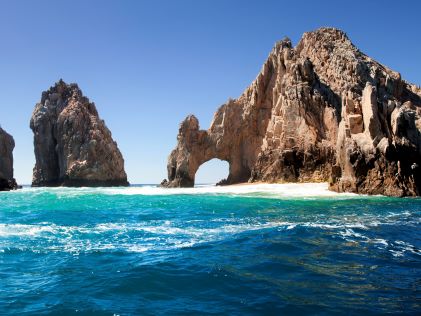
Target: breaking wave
[263,190]
[165,235]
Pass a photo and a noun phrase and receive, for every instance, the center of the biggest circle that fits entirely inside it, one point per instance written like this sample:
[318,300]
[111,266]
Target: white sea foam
[281,190]
[10,230]
[160,235]
[303,190]
[112,236]
[397,248]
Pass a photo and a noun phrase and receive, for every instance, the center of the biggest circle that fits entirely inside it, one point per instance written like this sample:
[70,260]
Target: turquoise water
[273,250]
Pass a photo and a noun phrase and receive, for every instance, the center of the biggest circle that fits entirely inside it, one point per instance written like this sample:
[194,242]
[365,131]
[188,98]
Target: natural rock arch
[319,111]
[195,147]
[281,119]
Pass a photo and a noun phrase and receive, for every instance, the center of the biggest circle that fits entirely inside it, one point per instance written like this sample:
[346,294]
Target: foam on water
[161,235]
[264,190]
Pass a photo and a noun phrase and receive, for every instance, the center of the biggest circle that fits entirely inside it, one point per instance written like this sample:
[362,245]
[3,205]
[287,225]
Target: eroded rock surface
[7,144]
[320,111]
[73,146]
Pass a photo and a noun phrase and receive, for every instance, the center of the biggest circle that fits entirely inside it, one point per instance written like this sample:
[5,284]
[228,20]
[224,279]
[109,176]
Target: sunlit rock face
[319,111]
[73,146]
[7,144]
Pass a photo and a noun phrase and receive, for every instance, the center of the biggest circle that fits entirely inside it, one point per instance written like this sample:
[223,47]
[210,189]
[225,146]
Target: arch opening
[212,171]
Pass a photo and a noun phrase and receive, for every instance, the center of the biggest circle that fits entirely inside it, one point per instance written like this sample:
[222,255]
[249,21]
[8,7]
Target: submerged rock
[7,144]
[73,146]
[320,111]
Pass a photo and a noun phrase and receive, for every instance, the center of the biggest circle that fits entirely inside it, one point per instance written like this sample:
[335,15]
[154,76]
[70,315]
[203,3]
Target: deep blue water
[147,251]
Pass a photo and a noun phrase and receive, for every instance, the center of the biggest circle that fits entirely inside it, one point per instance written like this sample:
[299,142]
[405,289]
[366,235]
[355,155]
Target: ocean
[287,249]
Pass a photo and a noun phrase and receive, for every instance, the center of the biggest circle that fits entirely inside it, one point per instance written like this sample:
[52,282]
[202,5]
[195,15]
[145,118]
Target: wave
[304,190]
[139,237]
[163,229]
[161,235]
[397,248]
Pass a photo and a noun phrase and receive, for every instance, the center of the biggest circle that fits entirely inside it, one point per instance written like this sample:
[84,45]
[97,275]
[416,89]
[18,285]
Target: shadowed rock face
[322,111]
[73,147]
[7,144]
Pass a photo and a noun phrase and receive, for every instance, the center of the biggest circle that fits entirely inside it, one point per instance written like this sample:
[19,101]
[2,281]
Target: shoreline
[264,183]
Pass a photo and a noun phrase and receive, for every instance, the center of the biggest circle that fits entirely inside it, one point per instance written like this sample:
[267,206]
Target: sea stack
[319,111]
[7,144]
[73,146]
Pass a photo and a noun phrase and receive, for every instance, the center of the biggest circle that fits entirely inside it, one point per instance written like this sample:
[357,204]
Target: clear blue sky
[148,64]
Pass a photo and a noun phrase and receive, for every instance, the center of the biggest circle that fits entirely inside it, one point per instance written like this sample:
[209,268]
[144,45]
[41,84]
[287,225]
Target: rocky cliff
[320,111]
[7,144]
[73,146]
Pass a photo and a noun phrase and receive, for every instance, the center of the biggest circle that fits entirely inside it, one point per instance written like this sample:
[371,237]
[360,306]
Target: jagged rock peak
[320,111]
[7,144]
[284,43]
[73,146]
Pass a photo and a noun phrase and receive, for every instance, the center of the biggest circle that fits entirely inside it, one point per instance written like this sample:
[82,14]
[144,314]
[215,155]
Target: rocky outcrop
[7,144]
[73,146]
[320,111]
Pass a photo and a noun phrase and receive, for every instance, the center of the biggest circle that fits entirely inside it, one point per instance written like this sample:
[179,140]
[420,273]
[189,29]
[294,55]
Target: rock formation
[7,144]
[320,111]
[73,146]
